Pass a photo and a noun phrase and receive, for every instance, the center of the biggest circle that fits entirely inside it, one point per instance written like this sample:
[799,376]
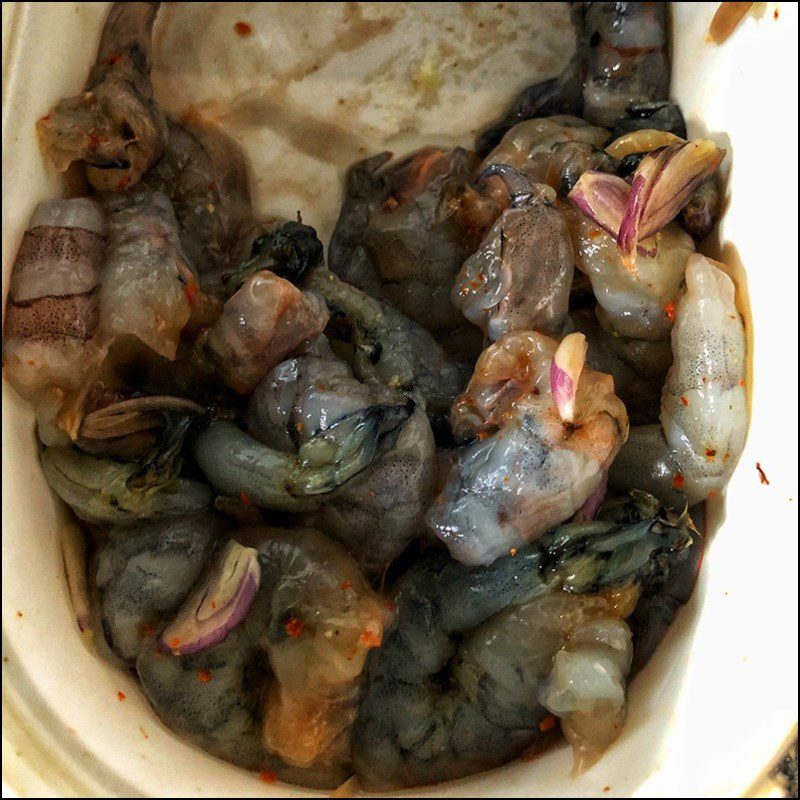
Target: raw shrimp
[204,174]
[671,584]
[520,277]
[146,288]
[52,312]
[638,366]
[463,681]
[400,235]
[315,619]
[625,60]
[703,405]
[553,150]
[237,464]
[377,511]
[145,571]
[115,125]
[391,349]
[637,302]
[107,491]
[532,456]
[263,322]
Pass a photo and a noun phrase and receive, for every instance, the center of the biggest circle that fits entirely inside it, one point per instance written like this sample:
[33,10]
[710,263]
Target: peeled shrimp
[260,325]
[115,125]
[145,571]
[520,277]
[144,289]
[703,403]
[314,619]
[463,681]
[637,302]
[379,509]
[624,50]
[52,312]
[530,461]
[400,236]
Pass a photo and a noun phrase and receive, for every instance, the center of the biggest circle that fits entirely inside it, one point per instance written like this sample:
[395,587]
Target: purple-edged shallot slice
[662,185]
[218,605]
[664,182]
[565,371]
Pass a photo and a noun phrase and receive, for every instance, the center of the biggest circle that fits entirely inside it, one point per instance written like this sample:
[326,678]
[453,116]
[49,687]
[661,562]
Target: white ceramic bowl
[713,708]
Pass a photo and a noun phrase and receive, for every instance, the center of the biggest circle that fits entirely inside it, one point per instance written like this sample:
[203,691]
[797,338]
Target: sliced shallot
[565,370]
[218,605]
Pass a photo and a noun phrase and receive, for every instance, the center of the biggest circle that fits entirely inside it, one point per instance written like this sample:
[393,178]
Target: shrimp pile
[413,506]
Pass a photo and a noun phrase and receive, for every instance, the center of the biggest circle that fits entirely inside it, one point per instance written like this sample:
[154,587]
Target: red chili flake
[204,675]
[775,14]
[762,475]
[31,362]
[213,604]
[742,383]
[120,696]
[684,400]
[547,724]
[606,788]
[535,390]
[512,551]
[45,118]
[669,310]
[594,233]
[174,642]
[389,205]
[19,613]
[243,28]
[191,290]
[390,605]
[369,639]
[245,498]
[114,57]
[347,585]
[294,628]
[124,181]
[678,481]
[710,453]
[93,140]
[268,777]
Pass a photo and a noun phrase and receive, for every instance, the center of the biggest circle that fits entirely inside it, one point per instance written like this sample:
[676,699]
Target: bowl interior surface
[315,87]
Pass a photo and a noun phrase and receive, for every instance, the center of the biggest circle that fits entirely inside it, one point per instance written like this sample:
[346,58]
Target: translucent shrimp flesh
[52,313]
[692,454]
[464,680]
[527,463]
[115,125]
